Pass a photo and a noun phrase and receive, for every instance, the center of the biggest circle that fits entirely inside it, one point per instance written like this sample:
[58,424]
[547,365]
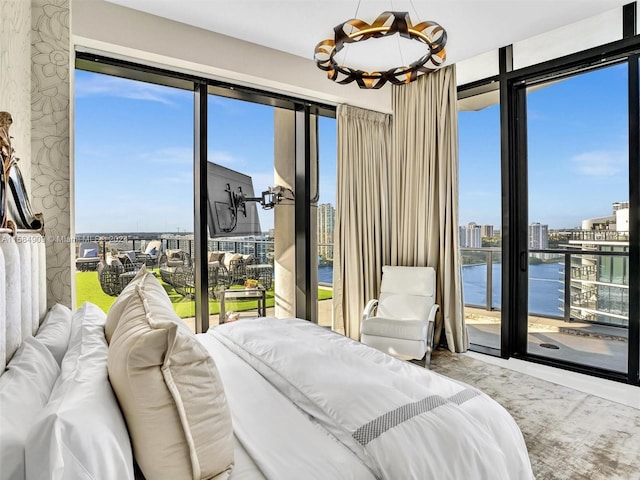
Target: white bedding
[353,412]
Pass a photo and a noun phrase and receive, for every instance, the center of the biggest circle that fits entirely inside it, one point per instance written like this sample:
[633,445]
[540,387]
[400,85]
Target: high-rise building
[326,218]
[600,283]
[486,231]
[538,236]
[470,236]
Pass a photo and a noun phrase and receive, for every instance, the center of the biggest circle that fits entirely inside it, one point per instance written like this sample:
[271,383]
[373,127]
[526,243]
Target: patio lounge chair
[88,257]
[151,255]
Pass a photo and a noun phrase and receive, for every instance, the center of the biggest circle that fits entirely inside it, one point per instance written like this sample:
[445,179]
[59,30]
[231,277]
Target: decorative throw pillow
[169,390]
[81,434]
[25,387]
[55,331]
[116,310]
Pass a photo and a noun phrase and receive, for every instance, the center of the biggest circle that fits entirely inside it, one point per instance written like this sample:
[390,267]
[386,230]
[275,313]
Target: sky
[577,140]
[134,153]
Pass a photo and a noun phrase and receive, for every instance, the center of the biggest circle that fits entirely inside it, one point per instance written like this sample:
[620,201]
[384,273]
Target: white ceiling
[296,26]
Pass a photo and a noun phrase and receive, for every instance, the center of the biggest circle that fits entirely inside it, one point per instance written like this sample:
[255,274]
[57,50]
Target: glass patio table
[258,293]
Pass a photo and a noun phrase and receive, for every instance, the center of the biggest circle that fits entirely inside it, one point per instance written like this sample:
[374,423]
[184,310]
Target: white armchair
[404,321]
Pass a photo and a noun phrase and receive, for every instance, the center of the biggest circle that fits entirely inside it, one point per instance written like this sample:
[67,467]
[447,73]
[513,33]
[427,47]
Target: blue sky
[577,148]
[134,153]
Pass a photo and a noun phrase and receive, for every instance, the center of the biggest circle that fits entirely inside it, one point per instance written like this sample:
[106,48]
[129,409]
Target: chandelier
[431,34]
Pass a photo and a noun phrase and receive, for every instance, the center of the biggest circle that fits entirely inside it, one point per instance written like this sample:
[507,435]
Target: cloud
[107,86]
[600,163]
[170,155]
[224,158]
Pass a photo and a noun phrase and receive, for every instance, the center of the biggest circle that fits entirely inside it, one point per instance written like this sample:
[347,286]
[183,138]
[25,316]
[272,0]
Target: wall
[15,75]
[50,126]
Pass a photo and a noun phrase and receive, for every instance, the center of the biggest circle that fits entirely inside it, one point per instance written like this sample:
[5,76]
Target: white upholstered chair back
[407,293]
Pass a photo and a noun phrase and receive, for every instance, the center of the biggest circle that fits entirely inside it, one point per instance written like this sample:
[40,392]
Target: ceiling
[296,26]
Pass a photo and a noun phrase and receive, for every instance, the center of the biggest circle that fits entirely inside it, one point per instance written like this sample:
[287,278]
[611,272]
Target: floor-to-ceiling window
[569,129]
[326,203]
[133,184]
[578,218]
[480,216]
[144,140]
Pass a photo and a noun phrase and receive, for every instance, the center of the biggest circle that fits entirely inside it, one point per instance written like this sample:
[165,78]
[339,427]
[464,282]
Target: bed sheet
[278,436]
[400,420]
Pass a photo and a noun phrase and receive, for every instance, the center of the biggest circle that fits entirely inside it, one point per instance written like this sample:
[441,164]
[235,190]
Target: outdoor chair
[404,320]
[109,277]
[151,255]
[88,256]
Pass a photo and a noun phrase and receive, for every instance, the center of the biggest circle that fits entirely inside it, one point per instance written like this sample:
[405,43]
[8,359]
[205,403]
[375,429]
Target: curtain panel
[424,194]
[361,238]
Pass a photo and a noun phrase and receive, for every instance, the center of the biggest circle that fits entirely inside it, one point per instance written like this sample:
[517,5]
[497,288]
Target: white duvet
[398,420]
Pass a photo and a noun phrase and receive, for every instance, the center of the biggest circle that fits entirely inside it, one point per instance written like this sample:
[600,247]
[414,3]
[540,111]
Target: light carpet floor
[569,434]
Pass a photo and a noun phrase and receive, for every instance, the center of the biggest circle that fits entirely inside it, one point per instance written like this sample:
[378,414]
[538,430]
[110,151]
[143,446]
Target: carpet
[569,434]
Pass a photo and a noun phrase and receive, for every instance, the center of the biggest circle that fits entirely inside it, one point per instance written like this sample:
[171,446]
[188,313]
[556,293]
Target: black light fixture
[431,34]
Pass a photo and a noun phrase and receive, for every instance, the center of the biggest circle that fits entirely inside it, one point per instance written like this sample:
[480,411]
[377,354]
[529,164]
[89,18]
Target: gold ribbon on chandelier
[431,34]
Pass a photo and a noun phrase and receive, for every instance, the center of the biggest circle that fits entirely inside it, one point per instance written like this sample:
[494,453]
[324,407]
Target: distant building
[470,236]
[486,231]
[600,283]
[326,220]
[538,236]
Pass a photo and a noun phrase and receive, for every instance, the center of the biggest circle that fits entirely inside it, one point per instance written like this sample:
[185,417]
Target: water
[545,286]
[325,274]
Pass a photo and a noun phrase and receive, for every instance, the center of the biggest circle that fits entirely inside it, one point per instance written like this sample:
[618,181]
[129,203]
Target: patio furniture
[151,254]
[88,257]
[258,294]
[263,272]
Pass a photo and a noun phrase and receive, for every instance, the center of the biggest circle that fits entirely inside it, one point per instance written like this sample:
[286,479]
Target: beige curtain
[362,239]
[424,197]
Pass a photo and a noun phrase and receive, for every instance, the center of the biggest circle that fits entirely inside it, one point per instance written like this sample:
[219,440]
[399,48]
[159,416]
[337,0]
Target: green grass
[88,290]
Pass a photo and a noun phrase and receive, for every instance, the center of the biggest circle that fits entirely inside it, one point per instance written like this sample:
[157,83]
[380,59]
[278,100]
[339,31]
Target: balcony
[177,277]
[588,321]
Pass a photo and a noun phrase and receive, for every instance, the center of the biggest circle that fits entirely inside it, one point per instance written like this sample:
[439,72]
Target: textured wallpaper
[15,76]
[50,117]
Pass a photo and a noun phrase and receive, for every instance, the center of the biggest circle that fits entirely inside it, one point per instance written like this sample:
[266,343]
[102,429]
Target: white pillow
[25,388]
[169,389]
[80,434]
[90,252]
[55,331]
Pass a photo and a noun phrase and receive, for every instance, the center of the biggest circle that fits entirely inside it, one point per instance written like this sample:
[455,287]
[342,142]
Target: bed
[136,394]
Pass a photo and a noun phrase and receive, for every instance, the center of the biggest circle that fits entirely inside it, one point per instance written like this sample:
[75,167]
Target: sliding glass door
[576,265]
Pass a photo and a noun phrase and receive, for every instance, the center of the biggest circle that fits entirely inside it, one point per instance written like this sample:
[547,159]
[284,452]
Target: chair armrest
[368,310]
[431,329]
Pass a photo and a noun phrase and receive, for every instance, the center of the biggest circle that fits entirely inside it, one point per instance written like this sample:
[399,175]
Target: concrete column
[284,223]
[284,218]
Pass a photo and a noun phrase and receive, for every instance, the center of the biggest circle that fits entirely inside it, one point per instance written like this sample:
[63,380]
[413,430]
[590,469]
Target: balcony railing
[591,293]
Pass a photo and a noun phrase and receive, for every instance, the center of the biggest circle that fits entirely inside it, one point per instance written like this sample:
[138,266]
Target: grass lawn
[88,290]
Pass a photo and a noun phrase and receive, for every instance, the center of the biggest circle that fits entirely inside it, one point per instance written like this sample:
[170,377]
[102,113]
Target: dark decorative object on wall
[12,181]
[431,34]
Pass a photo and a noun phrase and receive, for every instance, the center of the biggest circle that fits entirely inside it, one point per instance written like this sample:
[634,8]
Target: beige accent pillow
[115,312]
[169,390]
